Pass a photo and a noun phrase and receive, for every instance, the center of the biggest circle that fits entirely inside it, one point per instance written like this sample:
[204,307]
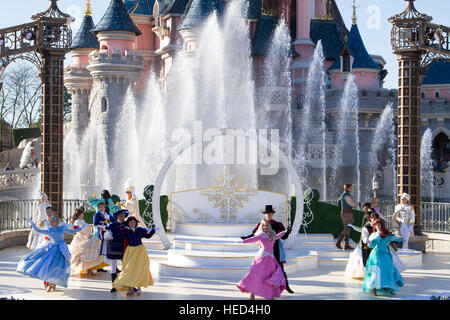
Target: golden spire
[329,6]
[88,10]
[355,21]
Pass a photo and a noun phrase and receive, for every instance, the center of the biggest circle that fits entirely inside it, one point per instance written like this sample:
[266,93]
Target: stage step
[327,261]
[212,257]
[316,237]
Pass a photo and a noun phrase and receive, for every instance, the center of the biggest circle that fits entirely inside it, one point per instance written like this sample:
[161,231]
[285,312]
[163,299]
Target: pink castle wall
[303,19]
[116,44]
[430,92]
[79,61]
[146,41]
[321,7]
[363,79]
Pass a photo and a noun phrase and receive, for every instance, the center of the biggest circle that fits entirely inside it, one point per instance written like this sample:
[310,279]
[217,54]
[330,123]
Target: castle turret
[355,59]
[77,78]
[197,12]
[115,68]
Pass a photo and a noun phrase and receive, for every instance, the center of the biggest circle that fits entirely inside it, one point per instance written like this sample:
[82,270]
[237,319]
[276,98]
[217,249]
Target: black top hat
[123,211]
[269,209]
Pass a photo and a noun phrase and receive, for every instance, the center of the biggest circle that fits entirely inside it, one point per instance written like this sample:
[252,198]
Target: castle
[136,37]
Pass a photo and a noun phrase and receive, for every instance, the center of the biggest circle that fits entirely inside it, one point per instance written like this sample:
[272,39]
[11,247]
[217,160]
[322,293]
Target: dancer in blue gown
[50,262]
[381,273]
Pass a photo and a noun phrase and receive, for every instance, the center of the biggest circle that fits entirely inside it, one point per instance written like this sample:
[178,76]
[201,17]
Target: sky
[372,20]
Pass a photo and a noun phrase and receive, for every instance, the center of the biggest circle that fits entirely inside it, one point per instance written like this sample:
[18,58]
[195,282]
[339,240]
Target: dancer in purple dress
[265,277]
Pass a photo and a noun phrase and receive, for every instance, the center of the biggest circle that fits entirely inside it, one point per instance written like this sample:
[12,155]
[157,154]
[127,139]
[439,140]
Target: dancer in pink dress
[265,277]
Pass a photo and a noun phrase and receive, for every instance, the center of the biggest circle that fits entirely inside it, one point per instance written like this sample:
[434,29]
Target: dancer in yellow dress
[136,264]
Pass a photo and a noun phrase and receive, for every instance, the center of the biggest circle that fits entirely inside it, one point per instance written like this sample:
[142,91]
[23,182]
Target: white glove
[108,235]
[157,229]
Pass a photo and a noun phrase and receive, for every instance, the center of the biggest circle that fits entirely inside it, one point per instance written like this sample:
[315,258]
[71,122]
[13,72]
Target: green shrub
[164,200]
[327,218]
[89,216]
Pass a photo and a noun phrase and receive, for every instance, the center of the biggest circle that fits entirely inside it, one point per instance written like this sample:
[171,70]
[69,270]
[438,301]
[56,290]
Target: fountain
[426,164]
[313,121]
[384,139]
[347,137]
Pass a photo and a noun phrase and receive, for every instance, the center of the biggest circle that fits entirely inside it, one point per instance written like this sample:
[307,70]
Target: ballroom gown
[85,250]
[381,273]
[265,277]
[35,239]
[51,262]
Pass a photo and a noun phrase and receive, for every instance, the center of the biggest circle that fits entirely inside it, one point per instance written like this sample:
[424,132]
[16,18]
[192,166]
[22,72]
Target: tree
[21,96]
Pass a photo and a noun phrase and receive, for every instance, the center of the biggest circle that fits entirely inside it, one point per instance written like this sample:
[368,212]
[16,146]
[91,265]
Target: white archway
[178,151]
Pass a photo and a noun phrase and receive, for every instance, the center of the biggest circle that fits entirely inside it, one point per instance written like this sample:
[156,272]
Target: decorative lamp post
[55,37]
[408,36]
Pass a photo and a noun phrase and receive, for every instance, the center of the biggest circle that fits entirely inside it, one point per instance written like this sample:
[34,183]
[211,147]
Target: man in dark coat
[117,244]
[277,227]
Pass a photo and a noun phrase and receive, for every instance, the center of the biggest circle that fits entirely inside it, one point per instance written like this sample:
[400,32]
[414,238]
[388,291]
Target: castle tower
[355,59]
[167,17]
[303,44]
[114,68]
[197,12]
[141,12]
[77,77]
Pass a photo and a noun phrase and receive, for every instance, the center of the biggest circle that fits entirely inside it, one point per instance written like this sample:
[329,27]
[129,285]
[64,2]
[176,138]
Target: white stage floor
[322,283]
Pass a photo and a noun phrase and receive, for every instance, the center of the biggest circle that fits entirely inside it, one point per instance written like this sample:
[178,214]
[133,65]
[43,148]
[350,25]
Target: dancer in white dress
[132,203]
[35,239]
[405,216]
[84,248]
[356,263]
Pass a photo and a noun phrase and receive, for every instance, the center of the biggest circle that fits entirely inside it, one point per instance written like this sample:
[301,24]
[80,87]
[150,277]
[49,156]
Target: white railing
[434,216]
[14,213]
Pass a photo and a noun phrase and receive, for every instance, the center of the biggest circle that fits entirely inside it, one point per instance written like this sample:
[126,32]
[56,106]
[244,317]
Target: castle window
[104,104]
[346,63]
[422,94]
[436,94]
[156,14]
[104,47]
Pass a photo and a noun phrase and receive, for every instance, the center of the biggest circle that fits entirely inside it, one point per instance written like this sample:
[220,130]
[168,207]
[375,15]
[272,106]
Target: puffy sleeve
[282,233]
[395,238]
[374,238]
[72,231]
[253,239]
[412,215]
[93,201]
[364,235]
[148,233]
[41,231]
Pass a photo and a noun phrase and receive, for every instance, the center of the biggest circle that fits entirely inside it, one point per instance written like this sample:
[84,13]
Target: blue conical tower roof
[362,59]
[117,18]
[140,7]
[199,10]
[85,38]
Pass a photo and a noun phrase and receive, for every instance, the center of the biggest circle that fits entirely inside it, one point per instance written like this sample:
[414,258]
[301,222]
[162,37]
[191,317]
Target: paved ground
[323,283]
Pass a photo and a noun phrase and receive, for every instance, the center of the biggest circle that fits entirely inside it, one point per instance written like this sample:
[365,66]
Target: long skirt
[135,269]
[48,264]
[85,254]
[355,267]
[265,278]
[381,272]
